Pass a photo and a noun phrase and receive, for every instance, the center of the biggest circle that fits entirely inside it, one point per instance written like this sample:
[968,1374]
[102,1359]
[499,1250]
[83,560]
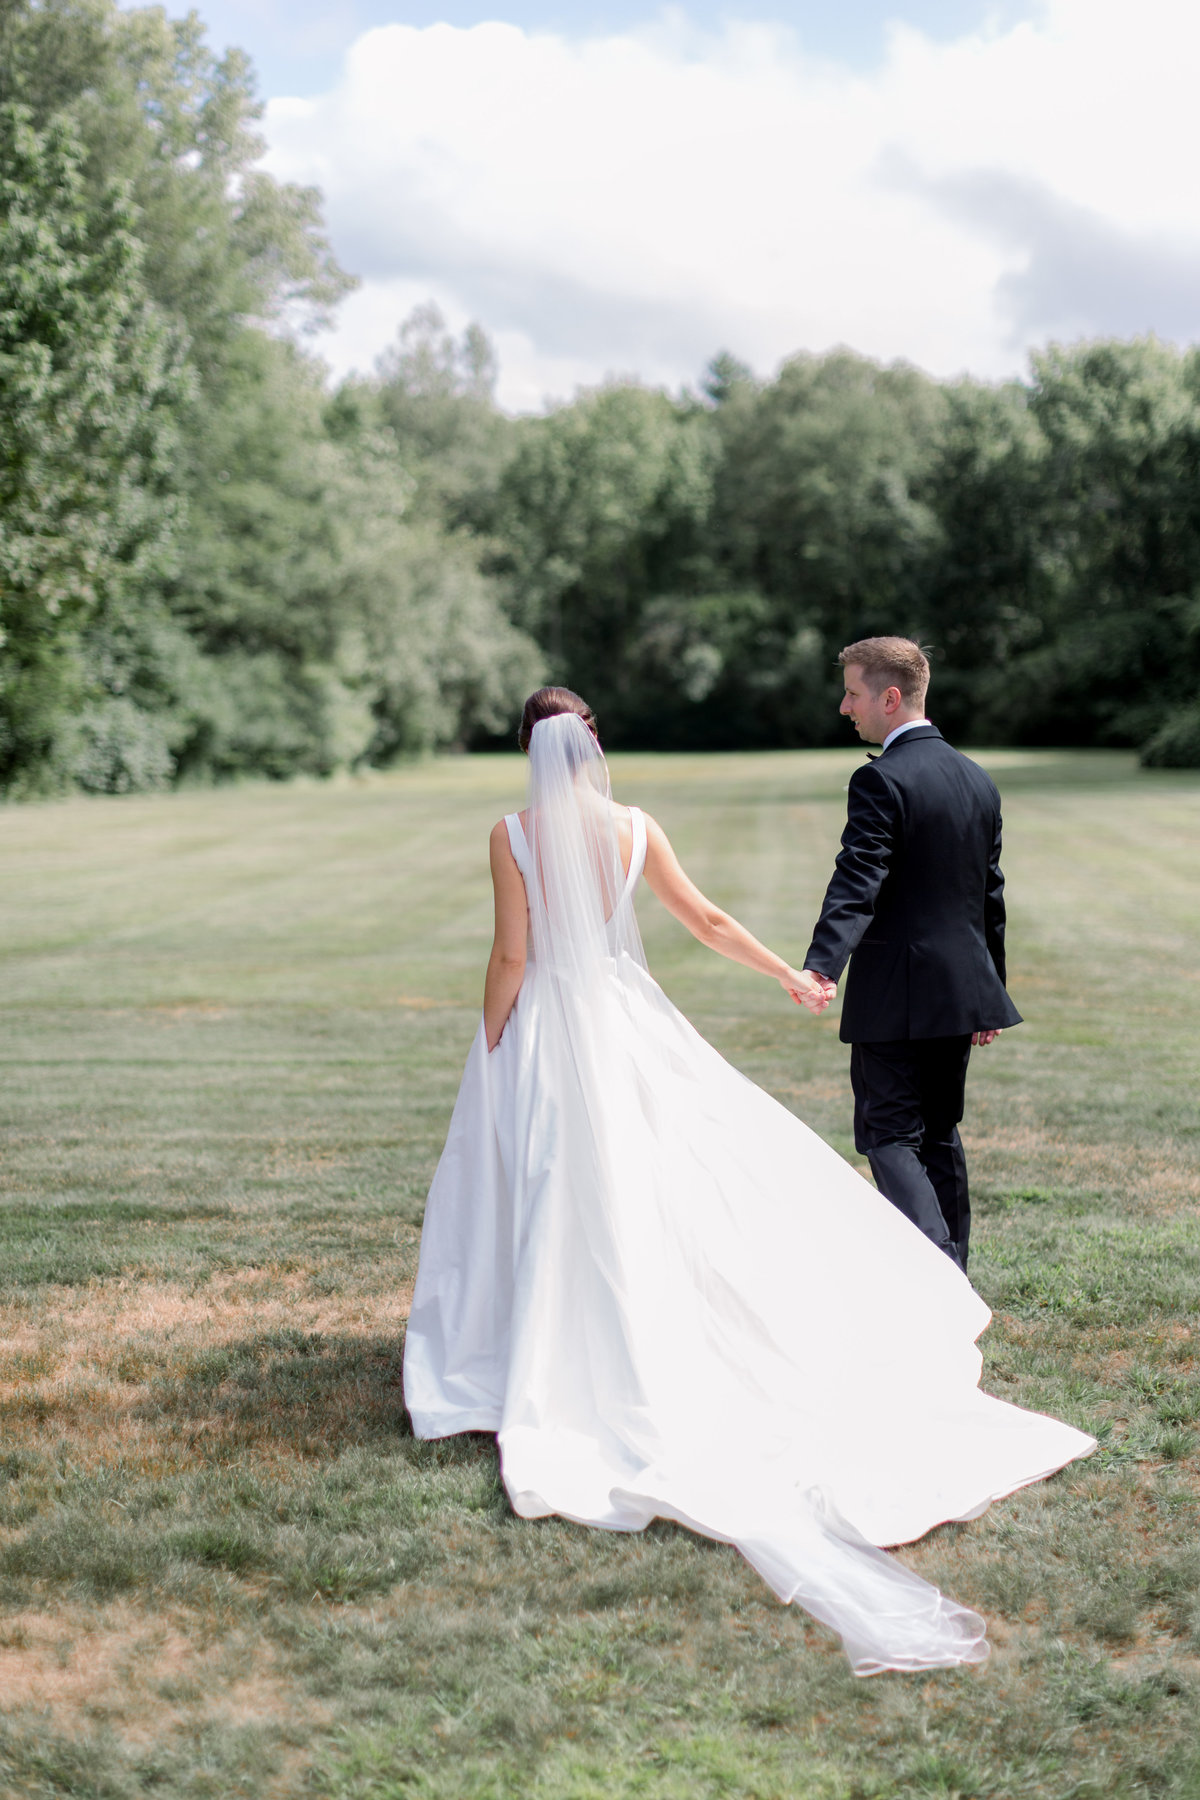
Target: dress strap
[518,843]
[637,857]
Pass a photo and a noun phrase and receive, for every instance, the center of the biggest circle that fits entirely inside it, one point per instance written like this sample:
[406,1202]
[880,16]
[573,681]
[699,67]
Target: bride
[667,1296]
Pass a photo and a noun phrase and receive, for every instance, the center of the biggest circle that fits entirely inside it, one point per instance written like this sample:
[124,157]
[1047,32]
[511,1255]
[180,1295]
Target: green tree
[1121,424]
[225,243]
[819,530]
[223,252]
[601,509]
[336,628]
[819,501]
[435,394]
[91,377]
[992,585]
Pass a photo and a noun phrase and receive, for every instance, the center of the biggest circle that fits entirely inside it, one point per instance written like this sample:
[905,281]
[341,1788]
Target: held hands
[808,989]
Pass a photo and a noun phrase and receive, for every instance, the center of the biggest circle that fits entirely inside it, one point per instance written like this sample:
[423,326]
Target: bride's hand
[808,989]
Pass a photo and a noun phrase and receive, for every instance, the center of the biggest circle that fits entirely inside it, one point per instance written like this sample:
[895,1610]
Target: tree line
[697,563]
[213,563]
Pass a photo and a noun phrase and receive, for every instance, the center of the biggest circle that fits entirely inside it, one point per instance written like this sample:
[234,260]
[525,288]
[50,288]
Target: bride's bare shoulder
[659,852]
[499,840]
[625,819]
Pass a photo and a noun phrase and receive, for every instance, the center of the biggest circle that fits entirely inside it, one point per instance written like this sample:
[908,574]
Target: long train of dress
[669,1298]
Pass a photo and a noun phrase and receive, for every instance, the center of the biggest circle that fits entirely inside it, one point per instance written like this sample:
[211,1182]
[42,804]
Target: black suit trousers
[908,1100]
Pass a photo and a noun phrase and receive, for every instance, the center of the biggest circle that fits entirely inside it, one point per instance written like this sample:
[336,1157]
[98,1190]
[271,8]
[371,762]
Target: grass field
[233,1025]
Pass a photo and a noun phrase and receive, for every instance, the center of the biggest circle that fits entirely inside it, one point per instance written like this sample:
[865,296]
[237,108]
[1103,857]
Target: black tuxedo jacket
[916,903]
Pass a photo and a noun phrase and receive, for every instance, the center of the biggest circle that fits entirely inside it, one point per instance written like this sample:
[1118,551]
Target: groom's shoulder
[931,760]
[970,764]
[872,797]
[870,777]
[924,748]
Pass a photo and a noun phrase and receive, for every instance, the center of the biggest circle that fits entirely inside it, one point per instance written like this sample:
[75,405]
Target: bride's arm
[506,964]
[683,898]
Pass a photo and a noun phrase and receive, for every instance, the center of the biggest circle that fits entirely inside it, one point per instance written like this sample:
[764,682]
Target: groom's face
[867,711]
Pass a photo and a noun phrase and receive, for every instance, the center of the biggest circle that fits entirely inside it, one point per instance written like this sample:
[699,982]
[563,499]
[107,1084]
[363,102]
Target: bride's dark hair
[545,704]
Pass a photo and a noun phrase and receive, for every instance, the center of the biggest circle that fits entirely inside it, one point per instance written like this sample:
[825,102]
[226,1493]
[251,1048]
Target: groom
[916,903]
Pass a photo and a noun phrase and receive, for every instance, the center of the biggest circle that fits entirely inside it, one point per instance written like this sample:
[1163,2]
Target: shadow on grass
[283,1464]
[304,1392]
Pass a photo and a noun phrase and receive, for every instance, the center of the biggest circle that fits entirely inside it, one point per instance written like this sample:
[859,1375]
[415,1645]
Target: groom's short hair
[890,662]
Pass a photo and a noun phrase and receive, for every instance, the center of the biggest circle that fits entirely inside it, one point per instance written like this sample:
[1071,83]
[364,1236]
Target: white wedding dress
[670,1299]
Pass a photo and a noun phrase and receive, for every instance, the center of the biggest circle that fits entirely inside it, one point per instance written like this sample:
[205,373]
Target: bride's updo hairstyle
[546,703]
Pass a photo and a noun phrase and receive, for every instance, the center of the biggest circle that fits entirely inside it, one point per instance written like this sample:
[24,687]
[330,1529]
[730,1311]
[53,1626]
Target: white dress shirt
[908,725]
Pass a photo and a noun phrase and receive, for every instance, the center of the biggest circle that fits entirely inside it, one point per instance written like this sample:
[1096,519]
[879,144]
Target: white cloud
[639,201]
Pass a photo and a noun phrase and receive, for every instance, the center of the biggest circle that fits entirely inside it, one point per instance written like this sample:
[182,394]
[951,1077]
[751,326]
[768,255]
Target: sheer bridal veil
[581,917]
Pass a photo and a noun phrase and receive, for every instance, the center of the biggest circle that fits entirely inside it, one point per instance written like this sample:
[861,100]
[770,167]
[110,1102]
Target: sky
[613,189]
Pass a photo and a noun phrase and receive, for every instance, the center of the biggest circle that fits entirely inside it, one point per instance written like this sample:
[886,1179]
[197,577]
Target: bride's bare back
[667,881]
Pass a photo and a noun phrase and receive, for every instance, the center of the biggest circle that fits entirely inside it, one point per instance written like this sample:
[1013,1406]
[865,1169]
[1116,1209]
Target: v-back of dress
[669,1298]
[523,854]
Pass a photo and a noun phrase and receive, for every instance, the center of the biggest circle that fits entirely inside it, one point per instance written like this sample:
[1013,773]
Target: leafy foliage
[206,567]
[90,376]
[1042,538]
[211,566]
[434,394]
[601,513]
